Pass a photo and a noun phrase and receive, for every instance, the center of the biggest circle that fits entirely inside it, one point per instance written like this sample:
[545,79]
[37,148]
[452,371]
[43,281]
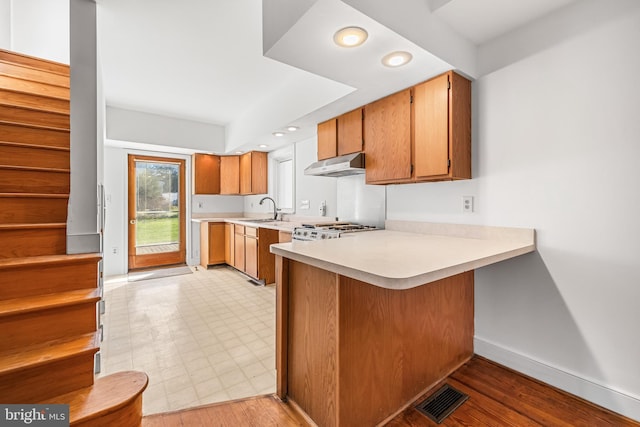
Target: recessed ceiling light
[278,134]
[350,36]
[263,145]
[397,59]
[293,128]
[239,152]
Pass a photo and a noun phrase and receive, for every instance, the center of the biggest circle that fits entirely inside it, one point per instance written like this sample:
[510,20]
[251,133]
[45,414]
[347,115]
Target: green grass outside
[151,231]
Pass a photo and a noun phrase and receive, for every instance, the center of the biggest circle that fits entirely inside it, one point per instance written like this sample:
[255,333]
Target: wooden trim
[34,74]
[165,258]
[282,326]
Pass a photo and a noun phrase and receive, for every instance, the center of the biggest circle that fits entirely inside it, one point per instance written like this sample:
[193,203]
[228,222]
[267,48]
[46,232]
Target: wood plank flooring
[497,397]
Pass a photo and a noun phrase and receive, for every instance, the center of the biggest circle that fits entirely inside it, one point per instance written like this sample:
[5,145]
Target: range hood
[349,164]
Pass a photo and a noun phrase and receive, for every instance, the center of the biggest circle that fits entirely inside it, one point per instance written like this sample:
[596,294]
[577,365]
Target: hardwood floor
[497,397]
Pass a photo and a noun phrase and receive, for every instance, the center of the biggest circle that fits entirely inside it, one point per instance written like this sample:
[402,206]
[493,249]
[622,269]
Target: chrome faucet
[275,209]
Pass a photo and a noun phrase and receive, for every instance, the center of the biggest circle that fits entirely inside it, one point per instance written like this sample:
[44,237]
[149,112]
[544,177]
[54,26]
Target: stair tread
[48,259]
[17,359]
[106,395]
[31,125]
[32,226]
[35,169]
[38,146]
[12,307]
[35,195]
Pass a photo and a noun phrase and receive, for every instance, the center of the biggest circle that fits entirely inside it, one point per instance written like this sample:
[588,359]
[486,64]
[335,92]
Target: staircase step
[26,240]
[20,277]
[114,400]
[31,320]
[43,89]
[33,208]
[34,156]
[32,116]
[48,369]
[23,179]
[14,132]
[27,72]
[31,61]
[30,100]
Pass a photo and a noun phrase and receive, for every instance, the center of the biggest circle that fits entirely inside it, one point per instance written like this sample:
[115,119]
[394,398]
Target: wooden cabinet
[284,236]
[229,243]
[387,132]
[238,250]
[212,243]
[328,139]
[230,175]
[251,251]
[206,174]
[253,173]
[341,135]
[420,134]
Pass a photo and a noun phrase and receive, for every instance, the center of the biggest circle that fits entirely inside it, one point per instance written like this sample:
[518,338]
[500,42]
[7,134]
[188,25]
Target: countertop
[395,258]
[287,226]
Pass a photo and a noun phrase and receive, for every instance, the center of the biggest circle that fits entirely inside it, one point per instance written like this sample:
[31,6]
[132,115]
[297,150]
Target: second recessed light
[397,59]
[278,134]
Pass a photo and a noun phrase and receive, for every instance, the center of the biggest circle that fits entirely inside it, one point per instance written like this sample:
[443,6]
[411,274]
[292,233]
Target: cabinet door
[245,173]
[350,132]
[431,124]
[230,175]
[387,132]
[239,249]
[251,256]
[216,243]
[327,139]
[229,248]
[259,172]
[206,174]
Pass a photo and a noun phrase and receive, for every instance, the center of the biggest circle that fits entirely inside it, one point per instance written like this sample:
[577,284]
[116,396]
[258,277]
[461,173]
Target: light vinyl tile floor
[201,338]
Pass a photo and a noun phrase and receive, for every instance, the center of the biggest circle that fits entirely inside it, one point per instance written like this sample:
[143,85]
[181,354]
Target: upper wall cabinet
[230,175]
[420,134]
[206,174]
[341,135]
[387,131]
[253,173]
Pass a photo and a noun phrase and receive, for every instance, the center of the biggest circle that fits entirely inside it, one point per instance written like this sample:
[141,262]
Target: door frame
[161,259]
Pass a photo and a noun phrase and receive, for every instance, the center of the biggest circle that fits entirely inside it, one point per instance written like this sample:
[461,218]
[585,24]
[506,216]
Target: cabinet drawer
[250,231]
[239,229]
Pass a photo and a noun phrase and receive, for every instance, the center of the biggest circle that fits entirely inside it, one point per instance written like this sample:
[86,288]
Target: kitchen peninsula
[368,322]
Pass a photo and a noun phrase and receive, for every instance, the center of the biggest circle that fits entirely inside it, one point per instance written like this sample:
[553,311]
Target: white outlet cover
[467,204]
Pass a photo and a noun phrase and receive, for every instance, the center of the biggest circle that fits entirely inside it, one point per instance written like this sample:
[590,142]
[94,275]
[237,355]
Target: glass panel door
[156,211]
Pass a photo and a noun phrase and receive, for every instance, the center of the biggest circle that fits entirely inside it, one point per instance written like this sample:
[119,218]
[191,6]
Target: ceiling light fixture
[350,36]
[397,59]
[278,134]
[263,145]
[292,128]
[239,152]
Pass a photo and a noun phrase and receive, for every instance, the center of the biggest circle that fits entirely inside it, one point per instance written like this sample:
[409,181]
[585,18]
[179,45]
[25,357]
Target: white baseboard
[614,400]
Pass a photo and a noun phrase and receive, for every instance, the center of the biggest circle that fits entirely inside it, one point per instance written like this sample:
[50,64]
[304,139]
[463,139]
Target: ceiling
[203,60]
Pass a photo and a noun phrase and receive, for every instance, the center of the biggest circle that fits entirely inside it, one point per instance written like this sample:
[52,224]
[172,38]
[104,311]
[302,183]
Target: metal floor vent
[442,403]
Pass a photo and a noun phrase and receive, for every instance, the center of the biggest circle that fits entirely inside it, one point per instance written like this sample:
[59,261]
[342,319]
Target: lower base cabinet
[242,247]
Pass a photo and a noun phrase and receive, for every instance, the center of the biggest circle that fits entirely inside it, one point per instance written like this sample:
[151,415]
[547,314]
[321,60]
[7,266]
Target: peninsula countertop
[396,258]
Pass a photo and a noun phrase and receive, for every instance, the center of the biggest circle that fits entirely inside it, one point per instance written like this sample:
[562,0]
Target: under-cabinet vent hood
[349,164]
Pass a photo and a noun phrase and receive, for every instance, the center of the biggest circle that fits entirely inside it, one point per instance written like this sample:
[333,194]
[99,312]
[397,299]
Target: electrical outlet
[114,250]
[467,204]
[200,205]
[304,204]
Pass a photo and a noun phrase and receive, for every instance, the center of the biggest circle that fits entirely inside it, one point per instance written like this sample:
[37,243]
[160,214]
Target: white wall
[312,188]
[38,28]
[556,148]
[136,126]
[5,24]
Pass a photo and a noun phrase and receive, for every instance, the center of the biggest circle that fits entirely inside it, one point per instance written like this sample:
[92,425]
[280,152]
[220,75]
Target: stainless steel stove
[330,230]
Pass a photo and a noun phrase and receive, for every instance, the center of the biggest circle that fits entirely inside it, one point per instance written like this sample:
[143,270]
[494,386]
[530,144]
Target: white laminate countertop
[397,259]
[286,226]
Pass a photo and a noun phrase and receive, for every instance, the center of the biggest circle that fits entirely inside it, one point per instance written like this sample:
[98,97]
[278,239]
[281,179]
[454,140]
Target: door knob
[133,221]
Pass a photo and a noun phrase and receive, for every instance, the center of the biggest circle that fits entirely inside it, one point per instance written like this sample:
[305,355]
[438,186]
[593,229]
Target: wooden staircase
[48,300]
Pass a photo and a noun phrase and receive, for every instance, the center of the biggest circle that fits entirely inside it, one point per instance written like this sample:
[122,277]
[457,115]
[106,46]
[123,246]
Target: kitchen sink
[261,220]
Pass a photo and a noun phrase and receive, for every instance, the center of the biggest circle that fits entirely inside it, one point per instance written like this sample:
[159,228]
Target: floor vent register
[442,403]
